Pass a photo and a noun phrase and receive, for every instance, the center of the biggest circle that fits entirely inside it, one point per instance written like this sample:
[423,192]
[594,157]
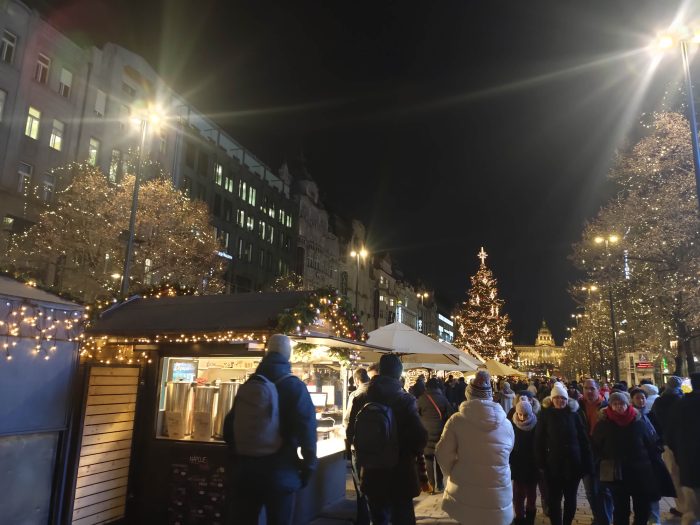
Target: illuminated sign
[645,365]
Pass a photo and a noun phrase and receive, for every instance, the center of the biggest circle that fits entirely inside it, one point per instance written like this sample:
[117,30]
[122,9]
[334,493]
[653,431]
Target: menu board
[197,490]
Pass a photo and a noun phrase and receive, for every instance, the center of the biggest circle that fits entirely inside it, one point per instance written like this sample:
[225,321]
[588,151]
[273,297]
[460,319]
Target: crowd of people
[490,447]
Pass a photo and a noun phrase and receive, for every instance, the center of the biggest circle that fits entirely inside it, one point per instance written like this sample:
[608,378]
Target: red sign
[645,365]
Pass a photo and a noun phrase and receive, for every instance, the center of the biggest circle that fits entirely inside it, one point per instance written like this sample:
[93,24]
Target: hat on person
[619,396]
[524,408]
[480,386]
[390,365]
[525,393]
[559,389]
[674,382]
[280,344]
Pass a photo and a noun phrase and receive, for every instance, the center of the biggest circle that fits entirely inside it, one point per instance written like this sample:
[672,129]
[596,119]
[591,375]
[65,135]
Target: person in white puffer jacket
[652,392]
[474,453]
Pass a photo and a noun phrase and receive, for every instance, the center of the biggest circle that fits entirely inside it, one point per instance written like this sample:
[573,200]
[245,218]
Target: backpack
[256,425]
[376,437]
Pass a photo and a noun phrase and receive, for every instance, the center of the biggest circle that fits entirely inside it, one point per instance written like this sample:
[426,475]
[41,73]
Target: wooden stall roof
[195,314]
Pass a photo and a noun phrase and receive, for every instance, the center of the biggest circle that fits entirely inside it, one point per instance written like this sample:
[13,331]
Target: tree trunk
[689,357]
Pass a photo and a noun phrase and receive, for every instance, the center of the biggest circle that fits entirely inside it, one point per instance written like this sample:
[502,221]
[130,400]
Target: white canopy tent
[496,368]
[472,360]
[416,348]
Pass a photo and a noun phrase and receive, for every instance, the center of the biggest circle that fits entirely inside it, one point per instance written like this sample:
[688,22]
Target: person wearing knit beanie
[523,468]
[674,382]
[480,386]
[280,344]
[390,365]
[559,390]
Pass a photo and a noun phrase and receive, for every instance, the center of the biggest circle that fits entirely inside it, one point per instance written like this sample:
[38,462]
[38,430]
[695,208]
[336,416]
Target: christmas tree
[481,326]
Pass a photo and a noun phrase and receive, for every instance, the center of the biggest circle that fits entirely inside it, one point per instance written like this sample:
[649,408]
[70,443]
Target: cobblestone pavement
[428,511]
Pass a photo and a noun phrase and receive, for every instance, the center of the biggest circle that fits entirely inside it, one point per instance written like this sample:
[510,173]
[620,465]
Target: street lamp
[144,122]
[608,240]
[357,255]
[667,42]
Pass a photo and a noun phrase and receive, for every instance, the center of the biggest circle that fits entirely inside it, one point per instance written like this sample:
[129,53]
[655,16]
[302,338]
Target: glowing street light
[357,255]
[684,38]
[144,121]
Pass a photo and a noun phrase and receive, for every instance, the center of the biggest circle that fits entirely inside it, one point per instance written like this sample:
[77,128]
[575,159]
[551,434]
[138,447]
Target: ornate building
[542,357]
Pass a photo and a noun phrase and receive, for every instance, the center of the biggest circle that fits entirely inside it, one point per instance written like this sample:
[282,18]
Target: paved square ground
[428,511]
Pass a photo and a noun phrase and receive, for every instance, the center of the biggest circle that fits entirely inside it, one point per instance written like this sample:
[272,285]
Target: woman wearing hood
[507,396]
[523,468]
[562,453]
[652,393]
[434,410]
[624,444]
[473,452]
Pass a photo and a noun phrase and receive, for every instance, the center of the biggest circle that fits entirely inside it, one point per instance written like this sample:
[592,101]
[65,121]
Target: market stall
[192,355]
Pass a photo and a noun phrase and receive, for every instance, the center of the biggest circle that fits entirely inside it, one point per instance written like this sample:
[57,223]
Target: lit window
[228,184]
[218,174]
[48,190]
[240,218]
[289,221]
[271,234]
[93,151]
[147,269]
[33,119]
[100,103]
[41,72]
[381,298]
[66,83]
[56,140]
[250,224]
[242,190]
[25,172]
[241,249]
[262,227]
[114,163]
[251,196]
[3,96]
[7,47]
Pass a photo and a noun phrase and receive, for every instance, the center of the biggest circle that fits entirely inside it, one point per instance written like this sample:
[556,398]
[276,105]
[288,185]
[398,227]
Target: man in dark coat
[661,410]
[459,393]
[683,437]
[390,491]
[271,481]
[434,410]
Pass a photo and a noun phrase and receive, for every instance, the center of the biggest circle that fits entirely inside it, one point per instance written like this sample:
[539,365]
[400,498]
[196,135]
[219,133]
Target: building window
[33,119]
[114,162]
[56,140]
[25,172]
[148,272]
[41,72]
[228,210]
[241,249]
[240,218]
[48,190]
[218,174]
[249,252]
[126,88]
[217,205]
[100,103]
[289,221]
[3,96]
[262,258]
[65,84]
[93,151]
[7,47]
[228,184]
[251,196]
[242,190]
[190,153]
[250,224]
[262,227]
[270,234]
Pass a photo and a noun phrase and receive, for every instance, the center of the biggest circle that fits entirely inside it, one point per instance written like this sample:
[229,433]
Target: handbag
[609,471]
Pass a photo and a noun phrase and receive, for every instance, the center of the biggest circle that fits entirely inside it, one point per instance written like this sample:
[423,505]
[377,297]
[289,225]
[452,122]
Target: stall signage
[322,326]
[238,364]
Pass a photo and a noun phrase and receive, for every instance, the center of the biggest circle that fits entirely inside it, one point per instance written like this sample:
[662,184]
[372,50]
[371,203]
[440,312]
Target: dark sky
[443,126]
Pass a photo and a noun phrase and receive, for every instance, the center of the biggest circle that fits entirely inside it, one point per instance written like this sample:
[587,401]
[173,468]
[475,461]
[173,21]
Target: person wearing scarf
[624,446]
[523,468]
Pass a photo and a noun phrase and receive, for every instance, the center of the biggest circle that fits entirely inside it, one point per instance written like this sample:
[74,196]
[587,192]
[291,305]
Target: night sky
[443,126]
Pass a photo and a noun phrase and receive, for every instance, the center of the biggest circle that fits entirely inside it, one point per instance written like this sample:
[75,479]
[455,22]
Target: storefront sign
[645,365]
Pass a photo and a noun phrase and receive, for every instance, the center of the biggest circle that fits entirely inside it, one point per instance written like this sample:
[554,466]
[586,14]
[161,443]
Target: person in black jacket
[523,467]
[683,436]
[624,445]
[562,452]
[459,393]
[434,410]
[272,480]
[661,410]
[390,491]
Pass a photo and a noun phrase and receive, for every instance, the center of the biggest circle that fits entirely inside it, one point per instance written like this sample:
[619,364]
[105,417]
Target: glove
[305,475]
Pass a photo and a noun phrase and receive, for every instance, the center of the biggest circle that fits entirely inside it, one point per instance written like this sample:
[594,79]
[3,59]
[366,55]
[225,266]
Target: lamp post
[422,296]
[665,43]
[357,255]
[611,239]
[143,123]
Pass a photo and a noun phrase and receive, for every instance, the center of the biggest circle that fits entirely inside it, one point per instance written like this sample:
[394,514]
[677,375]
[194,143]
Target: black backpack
[376,439]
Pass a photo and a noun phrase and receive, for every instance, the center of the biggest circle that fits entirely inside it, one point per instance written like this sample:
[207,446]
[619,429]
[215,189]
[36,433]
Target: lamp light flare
[665,42]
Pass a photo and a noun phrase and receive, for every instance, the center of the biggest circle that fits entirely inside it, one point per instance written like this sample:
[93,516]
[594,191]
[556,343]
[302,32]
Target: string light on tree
[481,326]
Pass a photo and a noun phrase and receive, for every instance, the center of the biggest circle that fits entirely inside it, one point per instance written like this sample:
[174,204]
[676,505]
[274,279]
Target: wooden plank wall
[105,449]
